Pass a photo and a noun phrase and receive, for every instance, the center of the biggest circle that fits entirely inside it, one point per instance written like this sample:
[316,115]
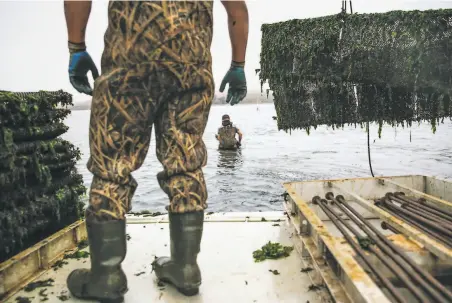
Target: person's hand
[237,83]
[80,63]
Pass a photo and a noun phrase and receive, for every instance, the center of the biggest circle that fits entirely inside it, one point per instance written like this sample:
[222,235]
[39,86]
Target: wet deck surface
[228,269]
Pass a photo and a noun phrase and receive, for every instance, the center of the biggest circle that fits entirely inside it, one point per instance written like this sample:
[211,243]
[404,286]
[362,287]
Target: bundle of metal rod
[421,204]
[430,220]
[336,219]
[423,286]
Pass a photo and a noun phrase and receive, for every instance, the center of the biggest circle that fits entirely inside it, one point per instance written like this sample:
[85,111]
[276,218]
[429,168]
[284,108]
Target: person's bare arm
[238,28]
[217,135]
[77,15]
[240,135]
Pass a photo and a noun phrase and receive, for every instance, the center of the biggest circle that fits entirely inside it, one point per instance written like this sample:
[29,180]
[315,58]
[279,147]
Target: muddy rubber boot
[182,270]
[105,282]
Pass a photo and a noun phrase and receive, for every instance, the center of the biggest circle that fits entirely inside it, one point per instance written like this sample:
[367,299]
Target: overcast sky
[34,55]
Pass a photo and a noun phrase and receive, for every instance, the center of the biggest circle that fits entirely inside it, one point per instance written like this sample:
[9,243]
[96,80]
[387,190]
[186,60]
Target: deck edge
[29,264]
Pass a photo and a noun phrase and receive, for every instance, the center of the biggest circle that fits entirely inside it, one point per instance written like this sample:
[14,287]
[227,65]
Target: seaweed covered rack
[40,188]
[391,68]
[381,239]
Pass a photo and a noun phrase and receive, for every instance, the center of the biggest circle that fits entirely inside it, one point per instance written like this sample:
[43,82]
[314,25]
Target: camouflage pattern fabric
[156,70]
[227,137]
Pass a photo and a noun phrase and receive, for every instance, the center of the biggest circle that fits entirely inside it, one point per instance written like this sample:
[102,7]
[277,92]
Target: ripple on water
[252,179]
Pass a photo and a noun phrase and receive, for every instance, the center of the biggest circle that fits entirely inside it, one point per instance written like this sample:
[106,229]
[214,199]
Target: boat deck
[228,269]
[346,272]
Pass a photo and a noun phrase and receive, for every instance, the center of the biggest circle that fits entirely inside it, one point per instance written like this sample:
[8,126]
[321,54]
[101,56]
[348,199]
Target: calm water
[251,180]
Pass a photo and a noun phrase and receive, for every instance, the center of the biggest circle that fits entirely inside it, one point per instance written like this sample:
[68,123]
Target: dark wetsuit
[156,71]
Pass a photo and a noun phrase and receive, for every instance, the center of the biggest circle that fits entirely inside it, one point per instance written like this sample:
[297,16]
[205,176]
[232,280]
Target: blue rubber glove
[237,83]
[80,63]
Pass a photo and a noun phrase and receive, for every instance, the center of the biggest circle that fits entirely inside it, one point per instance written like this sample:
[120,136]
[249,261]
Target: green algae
[390,68]
[79,254]
[37,284]
[272,251]
[146,213]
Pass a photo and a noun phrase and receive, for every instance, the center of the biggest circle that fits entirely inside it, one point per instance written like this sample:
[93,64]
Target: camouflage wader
[156,70]
[227,137]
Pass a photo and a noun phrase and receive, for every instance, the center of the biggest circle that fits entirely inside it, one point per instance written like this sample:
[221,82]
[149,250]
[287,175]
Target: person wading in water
[156,71]
[226,135]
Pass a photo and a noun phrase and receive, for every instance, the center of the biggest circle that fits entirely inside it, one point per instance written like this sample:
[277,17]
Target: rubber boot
[182,270]
[105,282]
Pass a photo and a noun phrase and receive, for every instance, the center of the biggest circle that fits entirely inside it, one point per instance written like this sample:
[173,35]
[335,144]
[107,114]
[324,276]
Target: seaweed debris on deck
[40,186]
[145,213]
[272,251]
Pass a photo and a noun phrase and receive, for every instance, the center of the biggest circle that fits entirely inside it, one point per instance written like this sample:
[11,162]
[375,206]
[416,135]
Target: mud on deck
[228,269]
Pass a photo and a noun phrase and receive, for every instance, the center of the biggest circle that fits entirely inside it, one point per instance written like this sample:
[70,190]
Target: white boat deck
[228,269]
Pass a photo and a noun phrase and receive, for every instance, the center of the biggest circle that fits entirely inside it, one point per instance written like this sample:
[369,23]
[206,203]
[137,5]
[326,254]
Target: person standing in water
[156,71]
[226,135]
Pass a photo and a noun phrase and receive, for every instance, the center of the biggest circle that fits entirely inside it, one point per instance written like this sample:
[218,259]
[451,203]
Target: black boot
[181,269]
[105,282]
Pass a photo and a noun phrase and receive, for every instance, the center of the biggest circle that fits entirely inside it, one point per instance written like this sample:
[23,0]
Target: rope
[368,150]
[344,10]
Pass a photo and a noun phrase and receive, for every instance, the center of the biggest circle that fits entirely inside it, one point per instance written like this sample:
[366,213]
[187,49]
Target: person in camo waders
[156,71]
[226,135]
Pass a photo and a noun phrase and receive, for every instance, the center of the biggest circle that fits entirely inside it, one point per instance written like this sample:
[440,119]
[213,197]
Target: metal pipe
[421,227]
[433,212]
[432,208]
[430,232]
[419,218]
[395,257]
[428,216]
[394,292]
[421,204]
[397,250]
[427,228]
[419,207]
[390,262]
[415,223]
[416,204]
[386,226]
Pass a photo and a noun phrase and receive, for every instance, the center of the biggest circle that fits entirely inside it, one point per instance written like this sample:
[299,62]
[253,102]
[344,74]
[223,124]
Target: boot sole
[187,292]
[104,300]
[118,300]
